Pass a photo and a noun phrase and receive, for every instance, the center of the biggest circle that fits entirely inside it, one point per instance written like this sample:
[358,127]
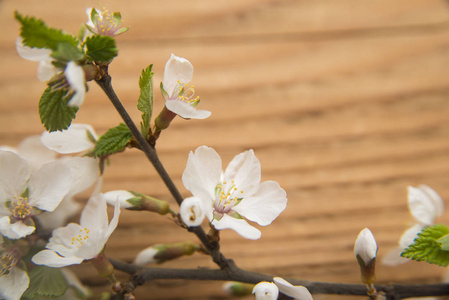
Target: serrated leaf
[54,112]
[45,282]
[114,140]
[145,102]
[101,48]
[36,34]
[426,247]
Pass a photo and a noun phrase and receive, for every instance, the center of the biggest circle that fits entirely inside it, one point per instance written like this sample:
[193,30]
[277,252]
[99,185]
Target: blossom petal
[33,54]
[15,230]
[13,285]
[36,154]
[146,256]
[113,223]
[94,215]
[245,170]
[365,246]
[76,78]
[72,140]
[202,174]
[265,205]
[45,70]
[421,206]
[435,198]
[238,225]
[186,110]
[176,69]
[48,185]
[394,258]
[266,291]
[14,173]
[295,291]
[192,211]
[84,171]
[409,236]
[51,259]
[58,217]
[119,195]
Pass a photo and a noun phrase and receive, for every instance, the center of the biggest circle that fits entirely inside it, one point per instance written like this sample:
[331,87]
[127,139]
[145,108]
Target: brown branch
[151,154]
[141,275]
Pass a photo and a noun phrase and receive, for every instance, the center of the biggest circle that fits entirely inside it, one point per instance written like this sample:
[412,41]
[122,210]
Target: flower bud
[162,252]
[266,291]
[365,249]
[192,211]
[235,288]
[136,201]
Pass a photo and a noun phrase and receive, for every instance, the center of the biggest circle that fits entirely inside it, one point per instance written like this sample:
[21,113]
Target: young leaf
[114,140]
[45,282]
[66,52]
[101,48]
[145,103]
[427,246]
[53,110]
[36,34]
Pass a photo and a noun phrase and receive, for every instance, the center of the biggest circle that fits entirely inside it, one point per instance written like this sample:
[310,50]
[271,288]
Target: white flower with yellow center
[236,193]
[179,95]
[103,22]
[13,279]
[75,243]
[24,194]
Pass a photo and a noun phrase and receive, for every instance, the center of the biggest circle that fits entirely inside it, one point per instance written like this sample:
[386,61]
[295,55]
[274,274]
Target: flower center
[79,239]
[8,260]
[106,23]
[20,208]
[226,196]
[185,94]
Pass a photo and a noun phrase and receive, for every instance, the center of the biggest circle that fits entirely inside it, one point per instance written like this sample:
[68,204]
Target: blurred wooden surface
[344,102]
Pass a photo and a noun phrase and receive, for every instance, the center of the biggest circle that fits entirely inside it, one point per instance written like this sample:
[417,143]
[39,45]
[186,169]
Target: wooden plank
[344,102]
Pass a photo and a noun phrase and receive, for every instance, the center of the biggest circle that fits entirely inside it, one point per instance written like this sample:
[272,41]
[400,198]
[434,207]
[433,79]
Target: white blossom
[192,211]
[24,194]
[13,280]
[425,205]
[178,94]
[103,22]
[266,291]
[236,193]
[75,243]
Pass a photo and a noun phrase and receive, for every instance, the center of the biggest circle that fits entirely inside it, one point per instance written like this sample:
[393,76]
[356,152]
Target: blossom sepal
[163,252]
[136,201]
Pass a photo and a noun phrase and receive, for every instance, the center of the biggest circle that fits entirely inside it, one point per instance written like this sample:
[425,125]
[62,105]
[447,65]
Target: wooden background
[344,102]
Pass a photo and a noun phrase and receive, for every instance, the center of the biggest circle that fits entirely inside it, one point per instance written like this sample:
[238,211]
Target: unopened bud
[162,252]
[266,291]
[104,267]
[136,201]
[365,250]
[240,289]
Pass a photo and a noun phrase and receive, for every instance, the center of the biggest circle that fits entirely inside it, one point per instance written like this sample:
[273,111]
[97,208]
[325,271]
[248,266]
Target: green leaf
[45,282]
[145,102]
[114,140]
[428,246]
[53,109]
[66,52]
[101,48]
[36,34]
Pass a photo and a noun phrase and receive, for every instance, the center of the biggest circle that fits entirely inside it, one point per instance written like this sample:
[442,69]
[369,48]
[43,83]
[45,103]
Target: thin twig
[150,152]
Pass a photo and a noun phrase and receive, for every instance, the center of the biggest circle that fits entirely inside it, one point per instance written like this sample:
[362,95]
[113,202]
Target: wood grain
[344,102]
